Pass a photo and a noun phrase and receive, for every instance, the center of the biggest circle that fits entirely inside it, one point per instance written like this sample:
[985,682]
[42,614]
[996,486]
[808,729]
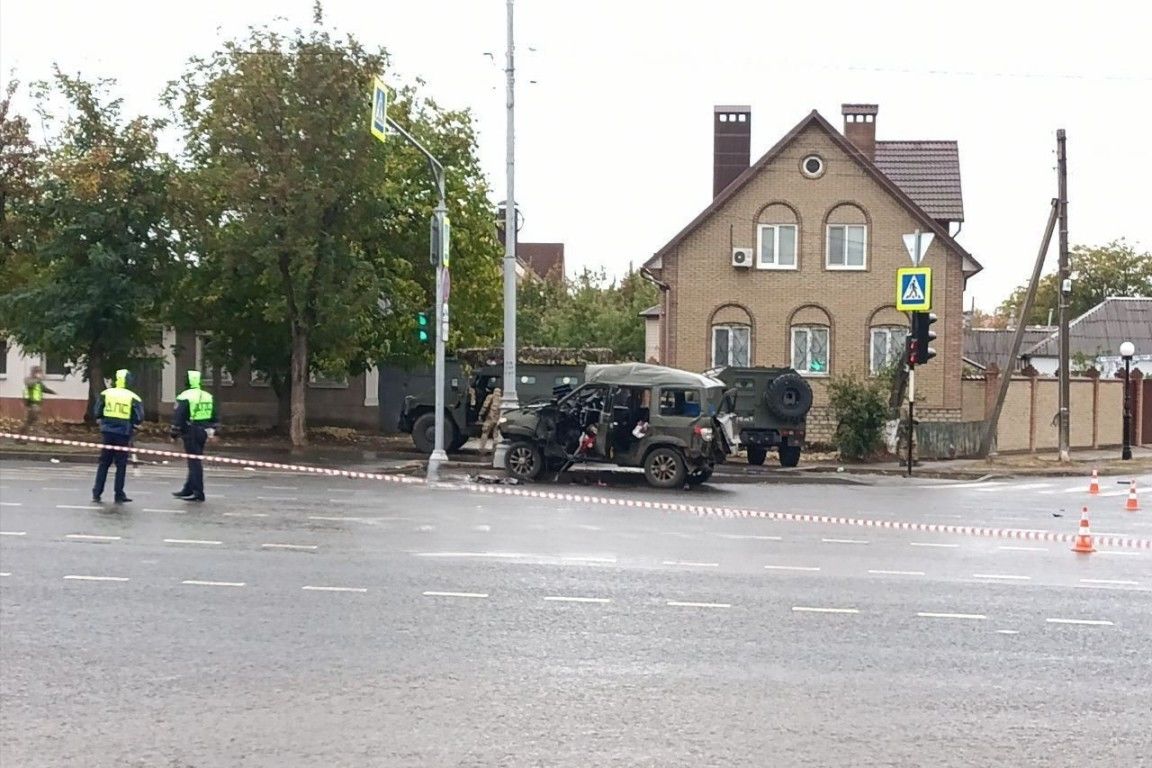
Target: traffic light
[910,344]
[424,329]
[922,336]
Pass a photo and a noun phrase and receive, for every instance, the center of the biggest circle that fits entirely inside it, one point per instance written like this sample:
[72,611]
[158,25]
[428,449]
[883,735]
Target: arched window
[730,336]
[810,331]
[847,238]
[777,232]
[887,346]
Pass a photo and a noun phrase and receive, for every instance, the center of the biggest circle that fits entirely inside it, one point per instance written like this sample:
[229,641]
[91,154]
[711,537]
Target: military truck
[466,387]
[771,409]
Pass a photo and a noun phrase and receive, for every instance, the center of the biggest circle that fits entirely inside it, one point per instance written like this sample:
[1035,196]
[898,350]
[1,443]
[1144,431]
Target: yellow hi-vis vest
[199,404]
[118,403]
[34,392]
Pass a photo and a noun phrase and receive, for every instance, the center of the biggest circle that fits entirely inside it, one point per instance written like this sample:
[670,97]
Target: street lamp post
[1127,350]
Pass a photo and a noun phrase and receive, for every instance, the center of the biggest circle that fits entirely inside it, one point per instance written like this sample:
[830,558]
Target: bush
[860,407]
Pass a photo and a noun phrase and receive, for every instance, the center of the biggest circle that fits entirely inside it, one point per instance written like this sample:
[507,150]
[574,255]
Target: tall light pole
[1127,350]
[509,400]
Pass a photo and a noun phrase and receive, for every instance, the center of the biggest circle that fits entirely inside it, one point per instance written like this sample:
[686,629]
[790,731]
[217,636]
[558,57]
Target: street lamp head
[1127,349]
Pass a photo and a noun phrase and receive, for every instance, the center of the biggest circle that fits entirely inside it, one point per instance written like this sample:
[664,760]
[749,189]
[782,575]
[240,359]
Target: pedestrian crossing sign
[914,289]
[379,122]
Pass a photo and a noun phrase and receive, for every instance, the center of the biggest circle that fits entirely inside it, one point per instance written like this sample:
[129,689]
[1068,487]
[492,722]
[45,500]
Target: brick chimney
[731,145]
[860,127]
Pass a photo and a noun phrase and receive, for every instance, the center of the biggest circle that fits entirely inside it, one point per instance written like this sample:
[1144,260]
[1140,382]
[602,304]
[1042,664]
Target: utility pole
[1065,289]
[509,399]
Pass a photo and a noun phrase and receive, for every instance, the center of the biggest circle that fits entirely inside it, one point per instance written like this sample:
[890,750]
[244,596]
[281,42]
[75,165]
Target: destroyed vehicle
[667,421]
[770,411]
[464,396]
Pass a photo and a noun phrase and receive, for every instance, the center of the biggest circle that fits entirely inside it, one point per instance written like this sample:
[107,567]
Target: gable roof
[814,118]
[985,346]
[928,171]
[544,259]
[1102,329]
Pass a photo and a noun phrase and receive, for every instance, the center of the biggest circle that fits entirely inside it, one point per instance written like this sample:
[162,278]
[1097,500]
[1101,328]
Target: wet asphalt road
[319,621]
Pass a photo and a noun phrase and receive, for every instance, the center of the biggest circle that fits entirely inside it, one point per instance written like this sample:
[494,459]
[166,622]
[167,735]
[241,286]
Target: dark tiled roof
[652,312]
[1102,329]
[544,259]
[986,346]
[928,172]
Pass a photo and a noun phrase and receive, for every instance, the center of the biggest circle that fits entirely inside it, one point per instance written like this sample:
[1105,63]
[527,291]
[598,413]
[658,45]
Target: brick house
[794,259]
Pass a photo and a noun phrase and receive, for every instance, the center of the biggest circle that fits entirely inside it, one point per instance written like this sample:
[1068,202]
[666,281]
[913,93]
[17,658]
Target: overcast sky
[613,139]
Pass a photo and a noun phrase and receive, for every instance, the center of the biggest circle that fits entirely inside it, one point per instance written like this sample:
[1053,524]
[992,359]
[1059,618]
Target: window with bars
[731,345]
[887,346]
[810,349]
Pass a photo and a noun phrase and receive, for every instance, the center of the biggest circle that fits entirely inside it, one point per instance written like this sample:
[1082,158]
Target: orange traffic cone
[1094,486]
[1133,503]
[1084,537]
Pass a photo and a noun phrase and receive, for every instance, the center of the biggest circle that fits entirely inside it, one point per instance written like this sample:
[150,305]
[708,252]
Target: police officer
[119,411]
[194,419]
[34,391]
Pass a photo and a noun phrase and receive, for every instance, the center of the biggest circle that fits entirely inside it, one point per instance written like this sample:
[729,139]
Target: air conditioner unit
[742,258]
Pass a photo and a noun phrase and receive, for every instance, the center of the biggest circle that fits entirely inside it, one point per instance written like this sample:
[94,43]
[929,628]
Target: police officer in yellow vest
[194,419]
[119,411]
[34,391]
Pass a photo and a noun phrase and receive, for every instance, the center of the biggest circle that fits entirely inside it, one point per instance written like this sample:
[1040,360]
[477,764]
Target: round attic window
[812,166]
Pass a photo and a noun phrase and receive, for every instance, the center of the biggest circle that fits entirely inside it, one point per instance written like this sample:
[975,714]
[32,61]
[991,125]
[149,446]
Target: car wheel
[700,476]
[664,468]
[523,460]
[756,455]
[789,455]
[424,433]
[789,397]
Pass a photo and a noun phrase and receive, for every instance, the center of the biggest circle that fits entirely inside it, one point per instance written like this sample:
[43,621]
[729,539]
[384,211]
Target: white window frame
[5,346]
[895,335]
[54,376]
[761,230]
[807,330]
[320,381]
[729,328]
[828,248]
[226,378]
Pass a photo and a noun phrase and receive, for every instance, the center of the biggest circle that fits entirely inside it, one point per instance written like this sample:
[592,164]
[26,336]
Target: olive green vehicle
[466,390]
[667,421]
[771,410]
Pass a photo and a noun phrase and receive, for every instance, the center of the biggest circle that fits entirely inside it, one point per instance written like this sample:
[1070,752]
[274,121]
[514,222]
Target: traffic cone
[1133,503]
[1084,537]
[1094,486]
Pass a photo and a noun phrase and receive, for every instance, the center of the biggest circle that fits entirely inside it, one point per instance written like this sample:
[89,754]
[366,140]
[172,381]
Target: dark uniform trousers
[107,458]
[194,440]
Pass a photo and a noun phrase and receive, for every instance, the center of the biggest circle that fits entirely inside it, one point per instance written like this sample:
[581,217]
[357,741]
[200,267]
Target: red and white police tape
[1101,541]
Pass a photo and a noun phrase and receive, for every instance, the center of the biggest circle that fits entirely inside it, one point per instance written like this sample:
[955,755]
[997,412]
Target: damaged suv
[667,421]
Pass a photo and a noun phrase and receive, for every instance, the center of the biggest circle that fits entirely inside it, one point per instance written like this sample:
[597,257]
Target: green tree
[1115,269]
[98,249]
[302,222]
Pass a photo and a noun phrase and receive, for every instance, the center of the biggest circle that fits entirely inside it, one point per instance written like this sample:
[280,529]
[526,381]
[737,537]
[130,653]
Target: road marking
[425,528]
[1000,576]
[478,595]
[196,583]
[308,547]
[929,615]
[1028,486]
[1007,631]
[582,559]
[90,537]
[690,564]
[166,511]
[95,578]
[280,487]
[898,573]
[807,609]
[334,589]
[13,533]
[337,519]
[482,528]
[680,604]
[472,554]
[62,490]
[277,498]
[245,514]
[563,599]
[11,504]
[932,544]
[5,573]
[1107,581]
[843,541]
[1084,622]
[1024,549]
[748,536]
[76,506]
[1119,552]
[791,568]
[192,541]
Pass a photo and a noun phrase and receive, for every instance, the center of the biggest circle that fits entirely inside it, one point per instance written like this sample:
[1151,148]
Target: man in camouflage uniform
[490,417]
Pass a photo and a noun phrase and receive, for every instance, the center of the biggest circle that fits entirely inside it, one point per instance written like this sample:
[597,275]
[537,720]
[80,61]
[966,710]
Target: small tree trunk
[95,385]
[297,425]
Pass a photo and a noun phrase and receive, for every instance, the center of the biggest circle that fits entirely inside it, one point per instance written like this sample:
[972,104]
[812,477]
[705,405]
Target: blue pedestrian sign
[379,109]
[914,289]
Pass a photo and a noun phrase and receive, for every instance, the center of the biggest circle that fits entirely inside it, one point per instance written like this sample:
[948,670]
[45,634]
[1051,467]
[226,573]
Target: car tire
[700,476]
[789,397]
[789,455]
[664,468]
[524,460]
[756,455]
[424,434]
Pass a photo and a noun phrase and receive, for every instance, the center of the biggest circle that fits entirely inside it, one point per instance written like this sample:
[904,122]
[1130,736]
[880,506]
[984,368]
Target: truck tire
[789,455]
[664,468]
[756,455]
[424,434]
[789,397]
[524,460]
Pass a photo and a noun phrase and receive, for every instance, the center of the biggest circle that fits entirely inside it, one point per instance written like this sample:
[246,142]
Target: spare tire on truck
[789,397]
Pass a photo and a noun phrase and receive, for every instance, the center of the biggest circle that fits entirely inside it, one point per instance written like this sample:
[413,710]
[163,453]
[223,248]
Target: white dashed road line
[843,541]
[1007,631]
[1108,581]
[337,519]
[1082,622]
[564,599]
[1119,552]
[166,511]
[77,506]
[1024,549]
[682,604]
[5,573]
[304,547]
[90,537]
[477,595]
[11,504]
[582,559]
[277,498]
[897,573]
[198,583]
[280,488]
[808,609]
[245,514]
[1005,576]
[95,578]
[334,589]
[690,564]
[748,536]
[932,544]
[205,542]
[791,568]
[930,615]
[13,533]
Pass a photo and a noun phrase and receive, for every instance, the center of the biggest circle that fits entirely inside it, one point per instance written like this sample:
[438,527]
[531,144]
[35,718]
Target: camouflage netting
[538,356]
